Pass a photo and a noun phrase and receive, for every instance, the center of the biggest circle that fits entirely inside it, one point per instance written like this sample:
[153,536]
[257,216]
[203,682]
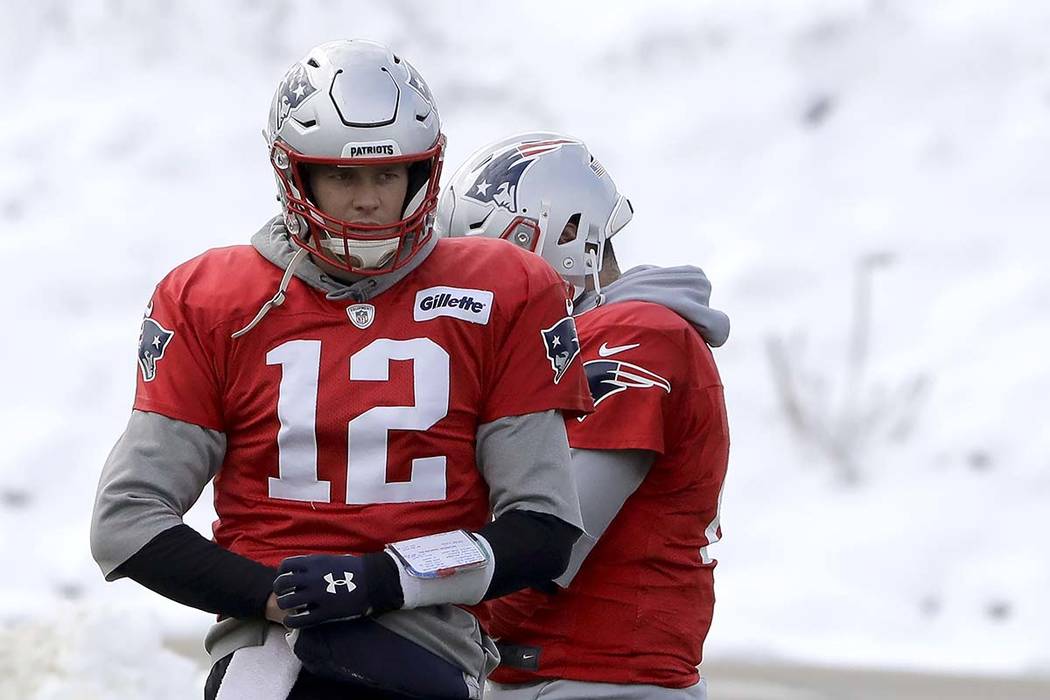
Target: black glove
[317,588]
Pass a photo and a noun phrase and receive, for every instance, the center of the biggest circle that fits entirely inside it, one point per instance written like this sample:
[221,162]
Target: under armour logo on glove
[348,581]
[307,587]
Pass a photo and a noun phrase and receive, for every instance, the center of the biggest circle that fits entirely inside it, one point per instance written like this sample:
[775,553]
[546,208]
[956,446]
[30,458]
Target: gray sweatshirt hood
[684,289]
[273,243]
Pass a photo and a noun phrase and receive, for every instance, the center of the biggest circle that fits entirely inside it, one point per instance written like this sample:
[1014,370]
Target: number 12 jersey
[350,425]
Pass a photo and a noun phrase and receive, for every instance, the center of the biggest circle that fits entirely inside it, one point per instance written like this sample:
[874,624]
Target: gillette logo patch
[472,305]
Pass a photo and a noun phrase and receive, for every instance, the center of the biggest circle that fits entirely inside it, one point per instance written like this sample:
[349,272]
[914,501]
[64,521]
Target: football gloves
[319,588]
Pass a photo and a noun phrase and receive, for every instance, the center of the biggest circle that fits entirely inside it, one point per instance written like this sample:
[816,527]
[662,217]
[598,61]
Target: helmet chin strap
[592,258]
[366,254]
[371,254]
[592,251]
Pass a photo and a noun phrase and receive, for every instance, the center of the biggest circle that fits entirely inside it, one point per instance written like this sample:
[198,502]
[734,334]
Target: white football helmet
[526,189]
[355,103]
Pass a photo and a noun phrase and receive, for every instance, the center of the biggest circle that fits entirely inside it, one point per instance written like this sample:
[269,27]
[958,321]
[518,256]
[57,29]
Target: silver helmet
[355,103]
[544,192]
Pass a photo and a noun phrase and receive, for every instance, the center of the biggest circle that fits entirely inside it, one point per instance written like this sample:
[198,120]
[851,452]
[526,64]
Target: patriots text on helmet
[371,150]
[357,151]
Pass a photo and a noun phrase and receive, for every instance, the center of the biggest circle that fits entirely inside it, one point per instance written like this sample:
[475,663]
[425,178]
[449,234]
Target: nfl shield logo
[361,315]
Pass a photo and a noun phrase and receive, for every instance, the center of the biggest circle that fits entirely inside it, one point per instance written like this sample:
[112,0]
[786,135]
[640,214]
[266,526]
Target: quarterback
[381,414]
[629,616]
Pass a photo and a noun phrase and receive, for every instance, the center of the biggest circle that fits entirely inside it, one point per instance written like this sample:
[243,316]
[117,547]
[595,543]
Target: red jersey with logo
[351,425]
[640,607]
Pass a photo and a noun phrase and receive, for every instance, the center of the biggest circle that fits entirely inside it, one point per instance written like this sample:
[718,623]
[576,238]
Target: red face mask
[334,240]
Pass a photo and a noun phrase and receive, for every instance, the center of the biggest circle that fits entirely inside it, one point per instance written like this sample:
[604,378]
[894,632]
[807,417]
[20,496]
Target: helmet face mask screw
[568,263]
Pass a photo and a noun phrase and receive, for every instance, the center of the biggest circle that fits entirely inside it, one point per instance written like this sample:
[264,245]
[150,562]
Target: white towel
[266,672]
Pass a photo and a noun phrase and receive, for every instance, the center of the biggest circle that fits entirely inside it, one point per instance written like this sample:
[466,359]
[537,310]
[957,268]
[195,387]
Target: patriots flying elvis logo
[415,81]
[293,91]
[153,340]
[497,183]
[609,377]
[562,346]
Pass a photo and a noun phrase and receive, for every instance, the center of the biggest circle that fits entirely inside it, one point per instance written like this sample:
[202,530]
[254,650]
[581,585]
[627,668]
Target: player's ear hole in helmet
[571,230]
[544,192]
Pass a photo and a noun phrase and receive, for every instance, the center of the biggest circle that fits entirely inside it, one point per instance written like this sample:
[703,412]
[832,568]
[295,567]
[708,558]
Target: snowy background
[864,181]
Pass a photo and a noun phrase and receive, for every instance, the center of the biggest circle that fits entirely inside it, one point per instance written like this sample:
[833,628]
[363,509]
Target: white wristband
[465,585]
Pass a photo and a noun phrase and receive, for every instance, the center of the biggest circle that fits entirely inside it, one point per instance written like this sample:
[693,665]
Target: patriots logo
[562,346]
[609,377]
[497,183]
[293,91]
[153,339]
[415,81]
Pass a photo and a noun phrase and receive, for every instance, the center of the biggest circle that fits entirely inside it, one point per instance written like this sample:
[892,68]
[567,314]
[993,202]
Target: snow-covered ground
[778,145]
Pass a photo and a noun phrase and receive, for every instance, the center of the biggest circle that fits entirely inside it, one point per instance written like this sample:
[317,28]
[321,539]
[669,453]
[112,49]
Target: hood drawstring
[278,298]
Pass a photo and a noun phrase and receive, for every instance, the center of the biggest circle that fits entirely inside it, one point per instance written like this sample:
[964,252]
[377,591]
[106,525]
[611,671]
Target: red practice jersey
[640,607]
[351,425]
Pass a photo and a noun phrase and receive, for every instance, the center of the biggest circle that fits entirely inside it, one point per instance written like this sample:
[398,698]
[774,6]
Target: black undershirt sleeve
[529,549]
[182,565]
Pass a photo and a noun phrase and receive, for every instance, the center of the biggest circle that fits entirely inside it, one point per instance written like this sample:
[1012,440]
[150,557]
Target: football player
[633,608]
[379,411]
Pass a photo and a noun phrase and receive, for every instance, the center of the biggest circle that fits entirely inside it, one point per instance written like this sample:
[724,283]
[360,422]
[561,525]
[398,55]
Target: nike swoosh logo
[606,351]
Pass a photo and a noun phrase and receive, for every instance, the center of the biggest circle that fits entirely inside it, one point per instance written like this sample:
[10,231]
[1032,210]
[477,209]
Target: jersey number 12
[367,434]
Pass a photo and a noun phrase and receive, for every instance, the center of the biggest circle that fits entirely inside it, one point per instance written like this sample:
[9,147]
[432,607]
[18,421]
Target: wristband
[438,556]
[451,567]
